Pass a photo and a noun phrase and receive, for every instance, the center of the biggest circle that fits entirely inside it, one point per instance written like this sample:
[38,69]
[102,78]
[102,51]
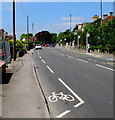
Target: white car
[38,47]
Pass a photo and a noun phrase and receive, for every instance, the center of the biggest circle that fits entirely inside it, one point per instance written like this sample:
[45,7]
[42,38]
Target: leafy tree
[25,36]
[53,37]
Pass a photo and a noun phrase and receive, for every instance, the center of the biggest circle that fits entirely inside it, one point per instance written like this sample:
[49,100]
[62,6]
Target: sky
[50,16]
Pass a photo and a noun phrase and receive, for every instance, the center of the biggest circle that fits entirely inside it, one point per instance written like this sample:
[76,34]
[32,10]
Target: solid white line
[77,105]
[43,61]
[104,67]
[70,90]
[50,69]
[62,114]
[82,60]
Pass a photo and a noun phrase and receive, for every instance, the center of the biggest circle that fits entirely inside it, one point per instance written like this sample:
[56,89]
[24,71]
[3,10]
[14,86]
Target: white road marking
[62,114]
[69,56]
[43,61]
[40,57]
[80,99]
[104,67]
[82,60]
[50,69]
[62,54]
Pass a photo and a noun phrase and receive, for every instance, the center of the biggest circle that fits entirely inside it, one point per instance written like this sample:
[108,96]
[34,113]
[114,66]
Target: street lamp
[87,35]
[87,44]
[78,41]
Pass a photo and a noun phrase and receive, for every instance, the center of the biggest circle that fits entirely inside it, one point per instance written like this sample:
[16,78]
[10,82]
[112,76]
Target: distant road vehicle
[46,45]
[38,47]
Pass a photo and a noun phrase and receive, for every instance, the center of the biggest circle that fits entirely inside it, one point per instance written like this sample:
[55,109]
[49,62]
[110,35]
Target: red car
[46,45]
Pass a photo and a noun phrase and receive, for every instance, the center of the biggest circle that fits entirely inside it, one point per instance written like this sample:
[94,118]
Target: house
[108,18]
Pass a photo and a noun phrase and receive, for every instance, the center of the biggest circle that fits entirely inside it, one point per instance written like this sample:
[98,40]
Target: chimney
[96,17]
[111,13]
[105,15]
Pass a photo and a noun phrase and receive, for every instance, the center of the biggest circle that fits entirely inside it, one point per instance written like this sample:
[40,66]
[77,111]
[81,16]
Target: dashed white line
[62,54]
[40,57]
[50,69]
[82,60]
[69,56]
[62,114]
[43,61]
[104,67]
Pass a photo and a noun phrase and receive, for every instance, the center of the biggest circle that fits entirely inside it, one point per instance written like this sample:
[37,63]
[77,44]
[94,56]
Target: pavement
[105,56]
[21,94]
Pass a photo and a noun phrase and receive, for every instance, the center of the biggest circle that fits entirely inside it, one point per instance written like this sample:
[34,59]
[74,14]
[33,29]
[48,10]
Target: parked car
[38,47]
[46,45]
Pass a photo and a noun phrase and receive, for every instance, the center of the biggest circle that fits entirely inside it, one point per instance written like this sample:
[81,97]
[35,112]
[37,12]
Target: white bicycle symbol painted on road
[55,96]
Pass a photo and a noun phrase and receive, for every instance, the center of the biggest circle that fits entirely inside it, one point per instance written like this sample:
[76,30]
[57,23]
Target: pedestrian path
[105,56]
[23,98]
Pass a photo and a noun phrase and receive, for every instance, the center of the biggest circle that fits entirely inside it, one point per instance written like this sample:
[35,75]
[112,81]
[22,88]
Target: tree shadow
[6,78]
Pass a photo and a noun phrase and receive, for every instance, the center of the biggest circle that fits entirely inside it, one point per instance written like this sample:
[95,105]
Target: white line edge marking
[81,101]
[62,114]
[82,60]
[104,67]
[43,61]
[50,69]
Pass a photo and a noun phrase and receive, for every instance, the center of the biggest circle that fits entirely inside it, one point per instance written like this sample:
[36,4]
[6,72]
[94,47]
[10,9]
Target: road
[84,84]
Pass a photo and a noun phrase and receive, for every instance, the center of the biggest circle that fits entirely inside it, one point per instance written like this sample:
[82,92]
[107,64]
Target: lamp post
[78,41]
[87,35]
[87,43]
[65,41]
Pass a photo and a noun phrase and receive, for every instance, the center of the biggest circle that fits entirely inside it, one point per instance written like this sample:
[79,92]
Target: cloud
[73,18]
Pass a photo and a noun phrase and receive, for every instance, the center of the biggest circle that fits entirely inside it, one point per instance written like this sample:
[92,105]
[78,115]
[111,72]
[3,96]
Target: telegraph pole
[14,36]
[27,33]
[70,31]
[32,32]
[70,22]
[101,7]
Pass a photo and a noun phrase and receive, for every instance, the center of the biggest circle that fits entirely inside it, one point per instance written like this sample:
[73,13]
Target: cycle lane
[50,83]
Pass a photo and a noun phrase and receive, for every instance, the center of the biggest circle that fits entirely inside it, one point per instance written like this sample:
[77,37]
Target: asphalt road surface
[75,85]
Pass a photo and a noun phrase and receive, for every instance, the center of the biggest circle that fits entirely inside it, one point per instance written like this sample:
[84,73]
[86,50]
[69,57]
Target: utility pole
[70,32]
[14,36]
[32,32]
[70,22]
[27,33]
[101,7]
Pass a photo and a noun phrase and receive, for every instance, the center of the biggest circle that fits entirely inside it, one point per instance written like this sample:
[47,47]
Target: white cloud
[72,18]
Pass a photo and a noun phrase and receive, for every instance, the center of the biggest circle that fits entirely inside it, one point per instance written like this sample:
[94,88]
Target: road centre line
[82,60]
[50,69]
[69,56]
[62,54]
[40,57]
[62,114]
[43,61]
[104,67]
[80,99]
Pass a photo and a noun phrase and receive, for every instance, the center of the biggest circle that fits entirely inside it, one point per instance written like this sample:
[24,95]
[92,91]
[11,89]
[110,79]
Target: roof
[109,18]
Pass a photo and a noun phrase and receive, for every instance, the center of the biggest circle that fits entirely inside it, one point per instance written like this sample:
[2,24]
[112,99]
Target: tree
[53,37]
[25,36]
